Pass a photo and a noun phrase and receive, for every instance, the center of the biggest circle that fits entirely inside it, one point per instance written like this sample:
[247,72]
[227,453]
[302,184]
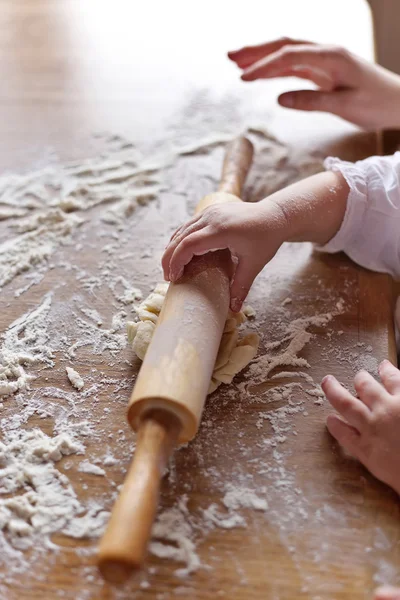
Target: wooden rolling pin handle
[237,162]
[124,545]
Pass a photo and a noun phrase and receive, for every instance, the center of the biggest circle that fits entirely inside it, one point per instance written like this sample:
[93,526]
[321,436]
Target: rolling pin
[168,398]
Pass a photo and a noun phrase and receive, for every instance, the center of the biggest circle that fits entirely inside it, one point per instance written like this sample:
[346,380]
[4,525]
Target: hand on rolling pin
[252,232]
[309,210]
[347,85]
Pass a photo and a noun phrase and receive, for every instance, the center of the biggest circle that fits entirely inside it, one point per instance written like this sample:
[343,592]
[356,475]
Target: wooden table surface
[74,68]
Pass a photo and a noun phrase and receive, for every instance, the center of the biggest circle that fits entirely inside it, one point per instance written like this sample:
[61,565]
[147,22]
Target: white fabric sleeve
[370,231]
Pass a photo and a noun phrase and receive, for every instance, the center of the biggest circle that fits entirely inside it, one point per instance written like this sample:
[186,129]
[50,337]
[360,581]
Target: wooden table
[331,531]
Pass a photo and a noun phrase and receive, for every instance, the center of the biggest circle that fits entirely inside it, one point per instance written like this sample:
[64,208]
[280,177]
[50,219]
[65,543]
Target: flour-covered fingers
[390,377]
[250,54]
[346,435]
[334,62]
[368,389]
[195,244]
[352,409]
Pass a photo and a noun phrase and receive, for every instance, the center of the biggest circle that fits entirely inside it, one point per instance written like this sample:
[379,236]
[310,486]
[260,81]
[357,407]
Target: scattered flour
[25,343]
[75,379]
[173,538]
[44,500]
[87,467]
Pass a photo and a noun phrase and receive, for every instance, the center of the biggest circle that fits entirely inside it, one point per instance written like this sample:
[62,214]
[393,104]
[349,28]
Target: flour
[29,249]
[87,467]
[92,314]
[75,379]
[173,538]
[100,340]
[46,501]
[239,497]
[297,337]
[25,343]
[48,204]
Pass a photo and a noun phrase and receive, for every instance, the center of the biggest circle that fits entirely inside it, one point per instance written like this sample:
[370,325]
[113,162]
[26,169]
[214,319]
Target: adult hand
[348,86]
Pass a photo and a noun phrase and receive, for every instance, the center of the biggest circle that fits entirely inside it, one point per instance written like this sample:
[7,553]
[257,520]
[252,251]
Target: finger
[241,284]
[250,54]
[198,243]
[185,225]
[387,592]
[321,79]
[368,389]
[313,100]
[390,377]
[333,62]
[346,435]
[352,409]
[185,231]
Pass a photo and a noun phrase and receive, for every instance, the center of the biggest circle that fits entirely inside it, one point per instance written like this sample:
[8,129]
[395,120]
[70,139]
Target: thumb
[331,102]
[241,284]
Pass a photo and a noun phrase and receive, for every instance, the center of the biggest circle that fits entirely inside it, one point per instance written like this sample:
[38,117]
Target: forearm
[313,209]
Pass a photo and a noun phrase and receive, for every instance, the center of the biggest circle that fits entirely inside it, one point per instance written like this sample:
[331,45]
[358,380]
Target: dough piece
[234,354]
[150,308]
[139,335]
[75,378]
[249,312]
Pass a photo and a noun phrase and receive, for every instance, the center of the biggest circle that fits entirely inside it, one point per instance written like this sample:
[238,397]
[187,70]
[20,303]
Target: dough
[234,354]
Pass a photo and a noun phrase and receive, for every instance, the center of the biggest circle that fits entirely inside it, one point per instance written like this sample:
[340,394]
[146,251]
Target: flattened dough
[234,354]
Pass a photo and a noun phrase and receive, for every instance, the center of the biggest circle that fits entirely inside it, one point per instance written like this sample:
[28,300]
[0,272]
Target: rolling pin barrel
[168,398]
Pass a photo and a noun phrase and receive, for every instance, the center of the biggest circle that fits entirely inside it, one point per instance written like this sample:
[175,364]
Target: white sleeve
[370,231]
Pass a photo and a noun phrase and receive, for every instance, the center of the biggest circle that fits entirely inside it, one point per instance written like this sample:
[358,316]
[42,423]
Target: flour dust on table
[81,246]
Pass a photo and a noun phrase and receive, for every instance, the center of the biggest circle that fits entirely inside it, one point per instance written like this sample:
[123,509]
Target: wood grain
[331,530]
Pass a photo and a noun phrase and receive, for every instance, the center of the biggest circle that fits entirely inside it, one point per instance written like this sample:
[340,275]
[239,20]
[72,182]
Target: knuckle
[374,427]
[286,51]
[211,213]
[185,244]
[337,51]
[346,403]
[393,377]
[216,226]
[361,381]
[285,40]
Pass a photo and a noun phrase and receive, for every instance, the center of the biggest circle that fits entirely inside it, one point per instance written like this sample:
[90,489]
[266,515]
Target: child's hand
[349,86]
[369,429]
[252,232]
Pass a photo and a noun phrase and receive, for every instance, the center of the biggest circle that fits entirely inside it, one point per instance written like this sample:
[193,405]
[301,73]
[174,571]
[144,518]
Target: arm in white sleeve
[370,231]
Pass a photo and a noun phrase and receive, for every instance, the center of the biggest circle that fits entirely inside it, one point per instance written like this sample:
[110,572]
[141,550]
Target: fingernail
[385,363]
[287,101]
[327,379]
[175,275]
